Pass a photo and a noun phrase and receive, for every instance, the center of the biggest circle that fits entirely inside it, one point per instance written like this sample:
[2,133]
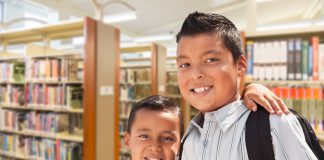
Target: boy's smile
[208,77]
[200,91]
[155,135]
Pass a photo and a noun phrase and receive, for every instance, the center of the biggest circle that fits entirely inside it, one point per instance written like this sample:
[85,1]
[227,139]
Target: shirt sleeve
[288,139]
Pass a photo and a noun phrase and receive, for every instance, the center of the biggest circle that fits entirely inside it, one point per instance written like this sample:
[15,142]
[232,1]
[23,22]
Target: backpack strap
[310,135]
[258,136]
[181,147]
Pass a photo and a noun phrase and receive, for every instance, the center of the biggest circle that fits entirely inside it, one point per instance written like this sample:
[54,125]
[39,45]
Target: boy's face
[155,135]
[208,77]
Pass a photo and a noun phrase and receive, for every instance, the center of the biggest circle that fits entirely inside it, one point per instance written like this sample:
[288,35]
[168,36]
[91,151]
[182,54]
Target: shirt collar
[225,117]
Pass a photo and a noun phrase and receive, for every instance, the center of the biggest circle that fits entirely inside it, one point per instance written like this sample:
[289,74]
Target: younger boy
[154,130]
[211,64]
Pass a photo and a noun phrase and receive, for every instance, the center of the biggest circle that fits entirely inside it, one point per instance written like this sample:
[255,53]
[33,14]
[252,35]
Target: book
[291,59]
[62,123]
[74,97]
[36,148]
[15,95]
[321,62]
[298,58]
[72,70]
[75,124]
[3,94]
[304,62]
[315,47]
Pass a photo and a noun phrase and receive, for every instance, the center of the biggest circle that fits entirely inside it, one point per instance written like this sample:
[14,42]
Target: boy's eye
[185,65]
[211,60]
[143,136]
[167,139]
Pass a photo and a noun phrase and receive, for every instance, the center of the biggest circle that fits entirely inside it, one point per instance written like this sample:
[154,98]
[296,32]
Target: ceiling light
[283,26]
[120,17]
[162,37]
[261,1]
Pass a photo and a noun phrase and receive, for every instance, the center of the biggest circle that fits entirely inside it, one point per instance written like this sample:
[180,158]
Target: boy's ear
[242,65]
[127,140]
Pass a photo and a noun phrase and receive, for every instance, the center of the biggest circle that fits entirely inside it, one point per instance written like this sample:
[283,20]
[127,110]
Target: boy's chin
[205,108]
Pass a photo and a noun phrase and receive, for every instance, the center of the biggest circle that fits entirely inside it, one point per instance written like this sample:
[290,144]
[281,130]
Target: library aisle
[71,71]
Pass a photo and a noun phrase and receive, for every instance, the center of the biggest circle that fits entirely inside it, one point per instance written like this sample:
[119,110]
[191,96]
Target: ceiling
[166,16]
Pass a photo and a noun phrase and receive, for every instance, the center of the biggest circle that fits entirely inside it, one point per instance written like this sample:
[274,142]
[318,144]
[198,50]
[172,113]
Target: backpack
[258,136]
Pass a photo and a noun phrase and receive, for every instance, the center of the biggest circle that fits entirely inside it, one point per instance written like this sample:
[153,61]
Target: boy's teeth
[201,89]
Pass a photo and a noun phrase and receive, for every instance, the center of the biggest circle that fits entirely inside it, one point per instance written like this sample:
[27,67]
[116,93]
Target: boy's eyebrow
[147,130]
[142,130]
[181,57]
[210,52]
[204,53]
[169,132]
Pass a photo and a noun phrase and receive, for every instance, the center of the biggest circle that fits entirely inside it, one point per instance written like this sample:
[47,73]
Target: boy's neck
[235,98]
[200,118]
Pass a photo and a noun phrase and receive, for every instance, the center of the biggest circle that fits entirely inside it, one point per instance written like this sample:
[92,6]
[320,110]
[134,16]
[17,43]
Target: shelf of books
[142,69]
[292,65]
[43,92]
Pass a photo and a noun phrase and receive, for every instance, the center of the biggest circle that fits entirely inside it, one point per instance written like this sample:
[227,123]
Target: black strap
[258,136]
[181,147]
[310,135]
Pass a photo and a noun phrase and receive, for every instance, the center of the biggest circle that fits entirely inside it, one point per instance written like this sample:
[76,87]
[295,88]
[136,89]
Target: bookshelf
[290,63]
[51,99]
[142,73]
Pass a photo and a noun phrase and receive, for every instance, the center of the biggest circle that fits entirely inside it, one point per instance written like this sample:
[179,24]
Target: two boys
[210,66]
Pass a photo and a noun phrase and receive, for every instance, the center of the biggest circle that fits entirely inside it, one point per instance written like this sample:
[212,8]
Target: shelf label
[106,90]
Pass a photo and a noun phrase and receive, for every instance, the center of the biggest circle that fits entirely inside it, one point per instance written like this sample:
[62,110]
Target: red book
[46,95]
[315,45]
[57,148]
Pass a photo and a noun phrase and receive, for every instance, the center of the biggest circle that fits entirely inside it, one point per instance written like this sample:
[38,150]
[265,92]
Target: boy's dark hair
[197,23]
[156,103]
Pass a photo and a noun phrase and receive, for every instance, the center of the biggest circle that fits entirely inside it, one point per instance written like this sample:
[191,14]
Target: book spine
[315,46]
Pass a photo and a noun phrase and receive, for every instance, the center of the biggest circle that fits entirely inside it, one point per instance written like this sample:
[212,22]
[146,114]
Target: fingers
[250,104]
[255,93]
[274,104]
[283,106]
[264,103]
[251,100]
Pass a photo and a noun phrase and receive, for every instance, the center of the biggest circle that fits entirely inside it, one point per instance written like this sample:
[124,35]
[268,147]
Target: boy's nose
[197,73]
[155,146]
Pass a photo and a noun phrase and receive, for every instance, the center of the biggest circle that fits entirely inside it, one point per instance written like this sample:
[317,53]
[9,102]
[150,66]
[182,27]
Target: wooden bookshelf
[43,108]
[101,45]
[15,156]
[60,136]
[142,73]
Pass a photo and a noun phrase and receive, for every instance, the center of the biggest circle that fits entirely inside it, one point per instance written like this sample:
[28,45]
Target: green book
[18,71]
[304,62]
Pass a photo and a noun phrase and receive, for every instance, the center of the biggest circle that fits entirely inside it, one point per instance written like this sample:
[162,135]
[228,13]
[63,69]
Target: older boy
[211,64]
